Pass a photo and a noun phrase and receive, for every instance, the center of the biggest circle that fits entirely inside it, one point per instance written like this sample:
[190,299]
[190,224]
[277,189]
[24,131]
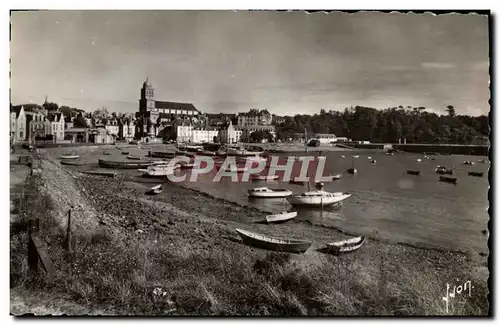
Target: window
[21,134]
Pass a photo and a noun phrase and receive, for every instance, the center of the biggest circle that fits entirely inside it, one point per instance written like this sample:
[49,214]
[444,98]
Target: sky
[233,61]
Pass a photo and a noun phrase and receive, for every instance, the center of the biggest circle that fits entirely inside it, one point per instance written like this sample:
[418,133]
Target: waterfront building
[246,131]
[229,134]
[17,124]
[57,126]
[325,137]
[126,128]
[191,134]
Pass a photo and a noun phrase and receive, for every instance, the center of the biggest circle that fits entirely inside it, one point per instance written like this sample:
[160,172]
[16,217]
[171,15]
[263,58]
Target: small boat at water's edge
[124,164]
[70,157]
[281,217]
[275,244]
[155,190]
[347,245]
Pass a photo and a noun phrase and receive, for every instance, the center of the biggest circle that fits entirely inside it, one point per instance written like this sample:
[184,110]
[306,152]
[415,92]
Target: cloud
[437,65]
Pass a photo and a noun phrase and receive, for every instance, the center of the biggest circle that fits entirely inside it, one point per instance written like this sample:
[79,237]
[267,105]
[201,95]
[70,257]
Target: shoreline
[189,225]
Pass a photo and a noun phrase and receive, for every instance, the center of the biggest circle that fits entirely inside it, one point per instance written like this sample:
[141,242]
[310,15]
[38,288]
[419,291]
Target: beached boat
[206,153]
[272,243]
[318,198]
[158,171]
[265,192]
[70,157]
[133,157]
[100,173]
[413,172]
[477,174]
[447,179]
[71,163]
[155,190]
[186,165]
[264,177]
[347,245]
[124,164]
[281,217]
[161,154]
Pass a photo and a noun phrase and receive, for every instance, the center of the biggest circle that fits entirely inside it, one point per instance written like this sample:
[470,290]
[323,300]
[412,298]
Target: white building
[253,118]
[228,134]
[188,133]
[126,129]
[18,128]
[325,137]
[112,127]
[57,126]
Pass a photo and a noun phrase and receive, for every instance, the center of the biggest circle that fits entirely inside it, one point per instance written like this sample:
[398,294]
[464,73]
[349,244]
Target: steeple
[46,99]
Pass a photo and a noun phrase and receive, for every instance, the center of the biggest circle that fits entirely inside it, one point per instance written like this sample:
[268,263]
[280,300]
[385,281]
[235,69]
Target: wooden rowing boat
[347,245]
[447,179]
[124,164]
[71,163]
[413,172]
[70,157]
[157,189]
[281,217]
[477,174]
[271,243]
[100,173]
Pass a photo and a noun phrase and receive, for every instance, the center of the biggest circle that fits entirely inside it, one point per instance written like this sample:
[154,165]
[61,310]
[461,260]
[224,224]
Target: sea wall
[444,149]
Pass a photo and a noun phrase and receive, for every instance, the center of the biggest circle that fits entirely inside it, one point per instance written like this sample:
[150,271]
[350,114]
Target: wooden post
[32,250]
[68,234]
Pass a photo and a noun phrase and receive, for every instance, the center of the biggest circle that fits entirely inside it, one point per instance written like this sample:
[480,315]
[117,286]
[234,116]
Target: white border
[186,4]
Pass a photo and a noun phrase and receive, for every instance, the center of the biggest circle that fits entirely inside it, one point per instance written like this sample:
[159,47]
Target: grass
[134,277]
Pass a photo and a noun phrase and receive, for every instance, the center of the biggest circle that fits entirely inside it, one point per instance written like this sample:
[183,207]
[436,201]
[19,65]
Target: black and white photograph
[250,163]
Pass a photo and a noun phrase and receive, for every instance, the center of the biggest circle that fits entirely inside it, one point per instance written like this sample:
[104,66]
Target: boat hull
[281,217]
[274,244]
[123,164]
[346,246]
[413,172]
[316,200]
[275,194]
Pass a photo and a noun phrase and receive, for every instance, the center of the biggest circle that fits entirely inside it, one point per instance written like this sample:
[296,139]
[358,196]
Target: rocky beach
[180,255]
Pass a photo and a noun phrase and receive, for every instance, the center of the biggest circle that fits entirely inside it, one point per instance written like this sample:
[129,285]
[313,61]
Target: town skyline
[290,63]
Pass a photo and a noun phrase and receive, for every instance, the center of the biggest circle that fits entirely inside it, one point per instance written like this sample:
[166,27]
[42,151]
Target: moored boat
[331,178]
[281,217]
[272,243]
[186,165]
[477,174]
[413,172]
[468,162]
[352,170]
[318,198]
[161,154]
[265,192]
[133,157]
[264,177]
[70,157]
[443,170]
[447,179]
[347,245]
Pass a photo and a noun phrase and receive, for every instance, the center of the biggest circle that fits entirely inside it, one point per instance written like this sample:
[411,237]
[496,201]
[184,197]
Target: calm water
[400,207]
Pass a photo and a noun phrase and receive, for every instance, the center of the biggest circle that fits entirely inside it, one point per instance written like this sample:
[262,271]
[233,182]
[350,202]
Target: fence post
[68,233]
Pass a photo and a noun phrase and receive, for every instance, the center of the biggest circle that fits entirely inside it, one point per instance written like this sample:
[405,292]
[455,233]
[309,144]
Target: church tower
[147,101]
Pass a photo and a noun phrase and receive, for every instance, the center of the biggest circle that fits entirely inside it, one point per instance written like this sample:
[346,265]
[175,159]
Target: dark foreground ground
[136,255]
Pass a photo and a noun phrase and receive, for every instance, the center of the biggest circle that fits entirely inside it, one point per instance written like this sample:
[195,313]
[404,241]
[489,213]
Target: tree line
[388,126]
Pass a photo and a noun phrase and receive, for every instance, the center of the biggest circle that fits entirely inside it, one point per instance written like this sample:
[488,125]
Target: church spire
[46,99]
